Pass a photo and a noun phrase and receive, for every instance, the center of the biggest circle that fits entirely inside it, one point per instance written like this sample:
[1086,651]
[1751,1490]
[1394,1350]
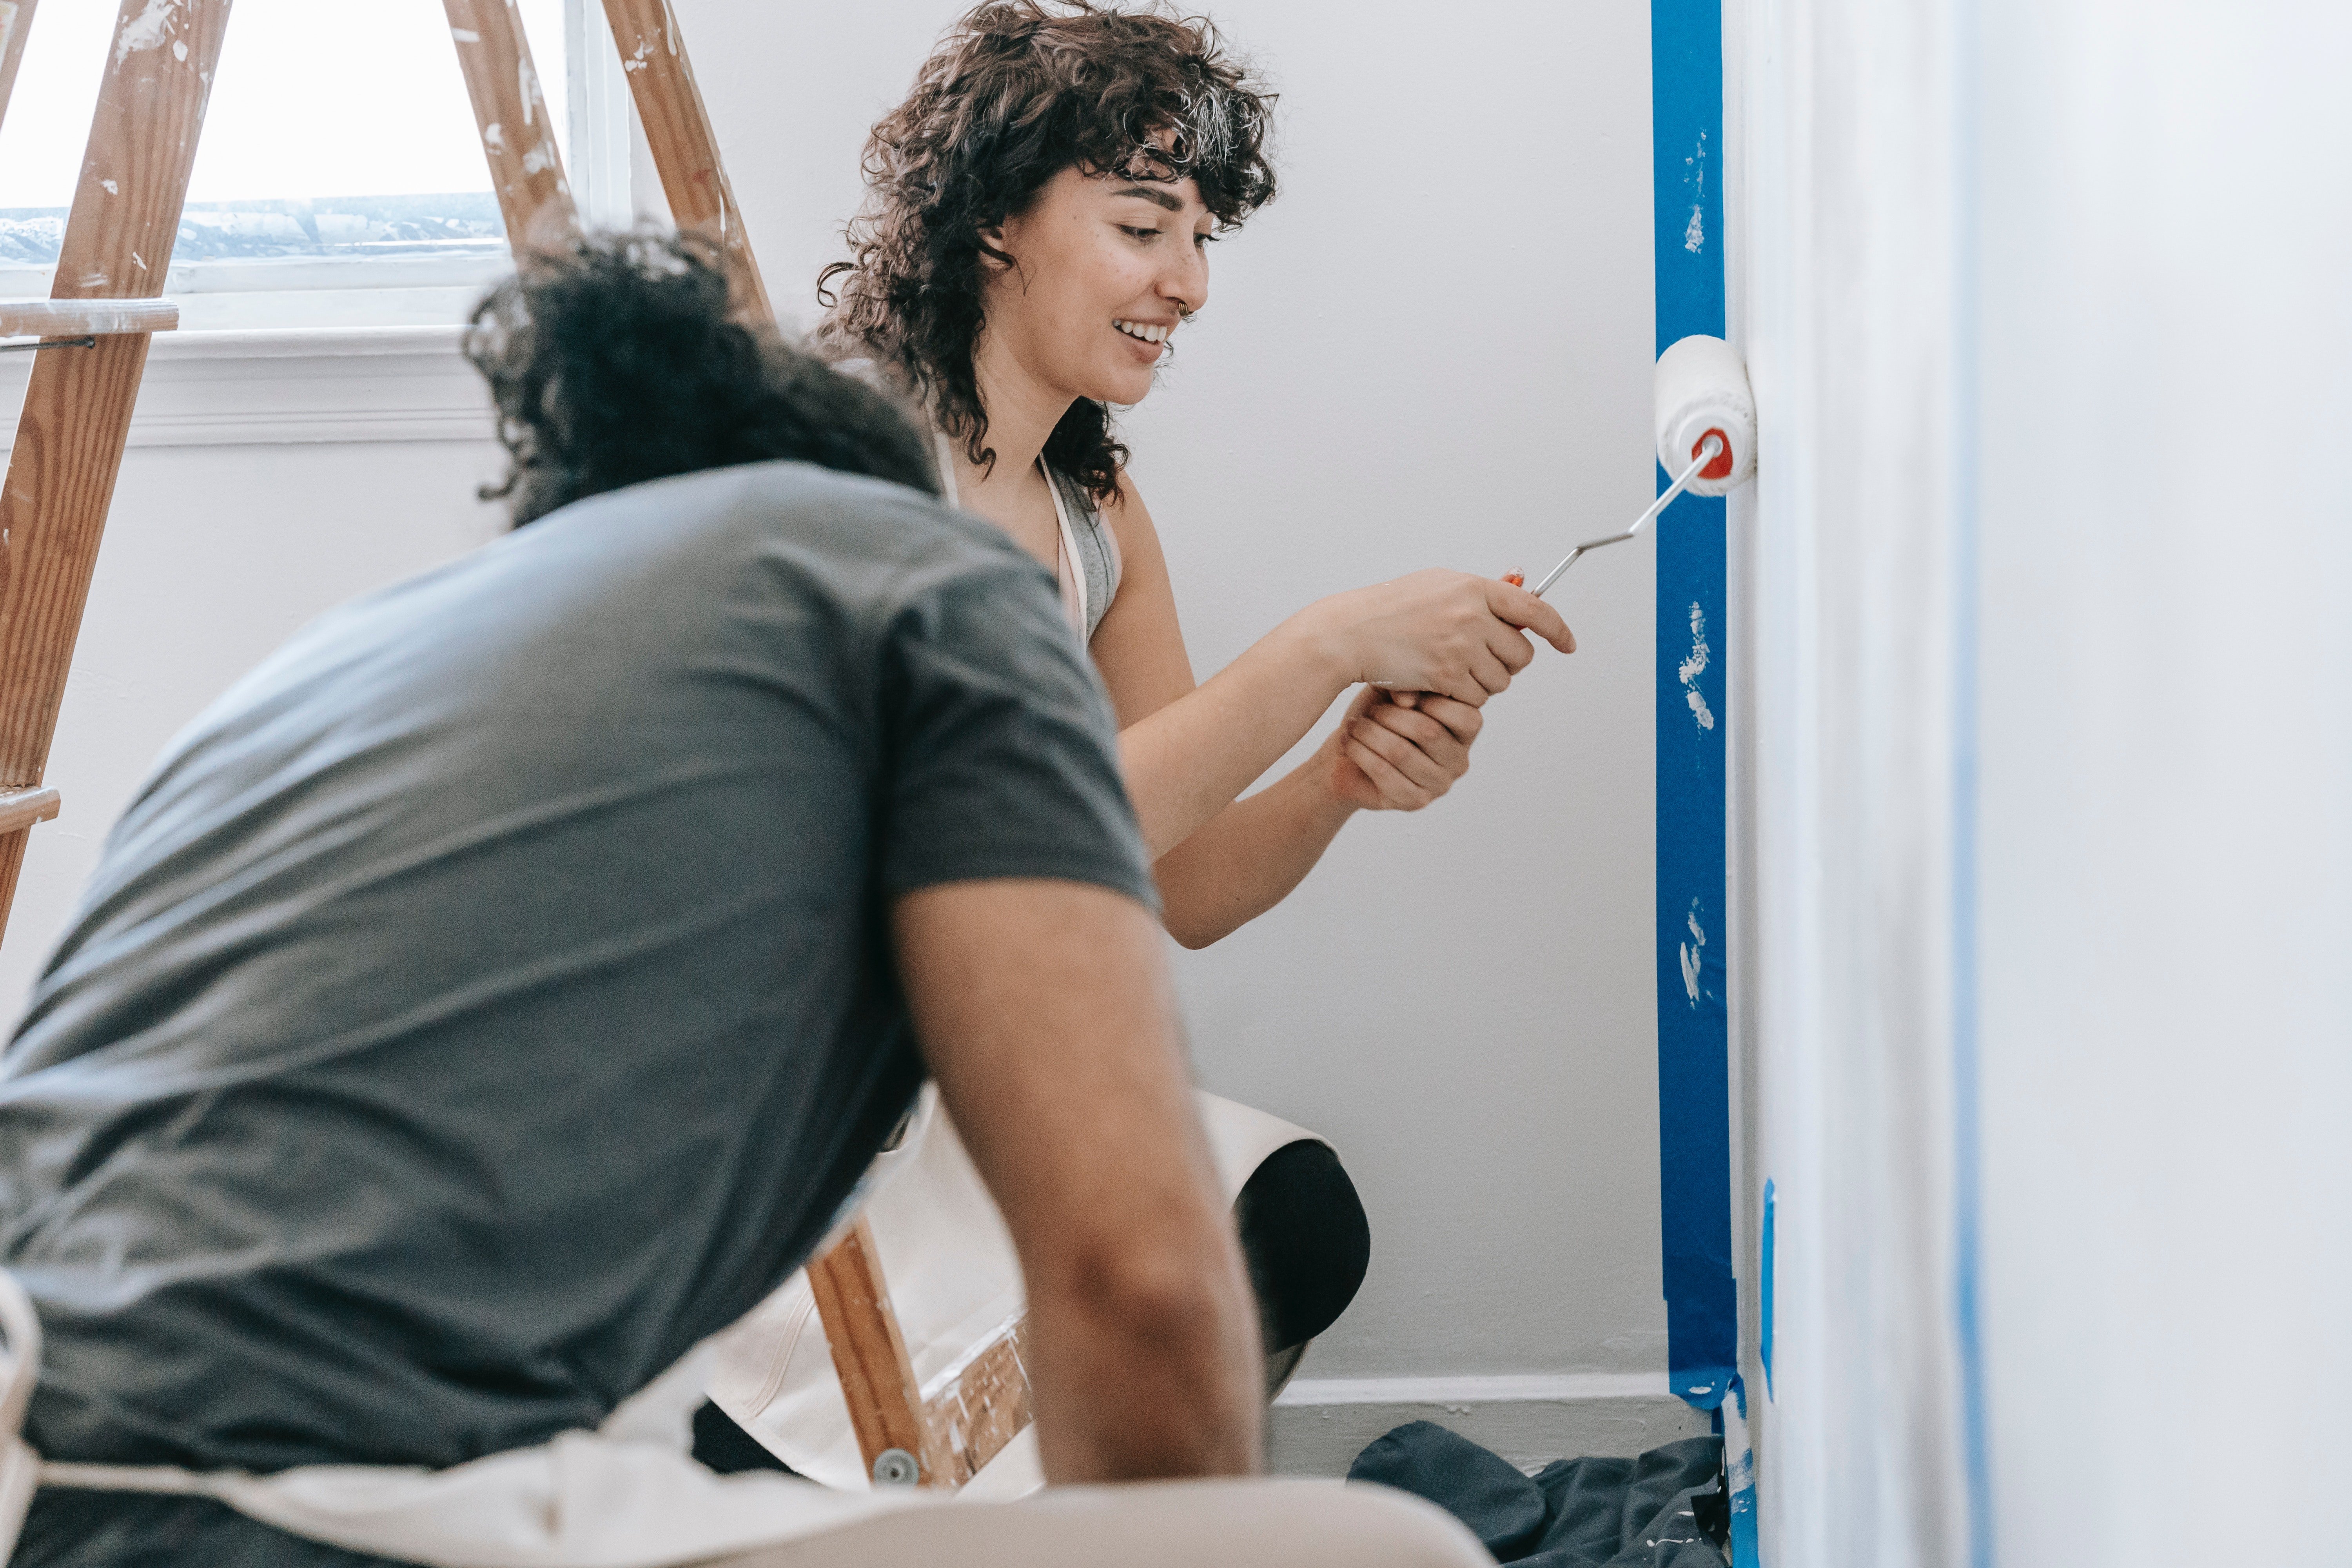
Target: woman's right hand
[1447,631]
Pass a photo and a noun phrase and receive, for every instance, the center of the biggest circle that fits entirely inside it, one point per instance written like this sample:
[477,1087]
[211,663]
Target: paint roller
[1706,432]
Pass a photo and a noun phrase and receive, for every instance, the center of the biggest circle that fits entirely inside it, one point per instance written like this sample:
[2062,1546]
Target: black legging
[1302,1229]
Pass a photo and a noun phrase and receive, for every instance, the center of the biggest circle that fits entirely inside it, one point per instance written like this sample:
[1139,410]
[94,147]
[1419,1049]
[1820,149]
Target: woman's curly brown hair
[1017,92]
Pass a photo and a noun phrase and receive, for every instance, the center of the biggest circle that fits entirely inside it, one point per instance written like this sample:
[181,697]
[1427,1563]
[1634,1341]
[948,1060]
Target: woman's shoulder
[1126,520]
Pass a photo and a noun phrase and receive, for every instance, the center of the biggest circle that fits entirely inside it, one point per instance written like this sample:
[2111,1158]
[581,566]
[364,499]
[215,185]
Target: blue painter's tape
[1766,1241]
[1694,1021]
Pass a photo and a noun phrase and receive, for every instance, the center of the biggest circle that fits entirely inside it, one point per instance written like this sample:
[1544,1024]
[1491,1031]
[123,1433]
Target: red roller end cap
[1721,468]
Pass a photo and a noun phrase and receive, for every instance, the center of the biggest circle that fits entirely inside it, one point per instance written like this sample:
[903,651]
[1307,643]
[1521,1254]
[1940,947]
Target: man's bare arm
[1043,1010]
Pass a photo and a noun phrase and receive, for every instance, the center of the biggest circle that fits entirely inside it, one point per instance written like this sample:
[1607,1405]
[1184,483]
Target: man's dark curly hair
[614,361]
[1017,92]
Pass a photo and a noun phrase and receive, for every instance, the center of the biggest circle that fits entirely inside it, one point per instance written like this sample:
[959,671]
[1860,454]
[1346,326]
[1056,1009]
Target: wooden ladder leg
[982,1402]
[886,1408]
[77,414]
[16,23]
[525,149]
[685,148]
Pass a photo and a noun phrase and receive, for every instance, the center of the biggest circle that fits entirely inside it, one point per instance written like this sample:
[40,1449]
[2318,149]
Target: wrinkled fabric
[955,1284]
[1598,1512]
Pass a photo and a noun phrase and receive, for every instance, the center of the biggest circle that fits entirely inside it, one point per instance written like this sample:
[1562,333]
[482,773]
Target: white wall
[1434,349]
[2049,339]
[2167,871]
[214,553]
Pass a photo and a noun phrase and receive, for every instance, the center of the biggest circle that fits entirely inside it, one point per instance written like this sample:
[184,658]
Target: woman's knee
[1308,1243]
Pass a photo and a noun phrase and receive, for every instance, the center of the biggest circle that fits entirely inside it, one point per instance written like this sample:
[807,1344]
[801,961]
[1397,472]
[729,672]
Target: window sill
[299,385]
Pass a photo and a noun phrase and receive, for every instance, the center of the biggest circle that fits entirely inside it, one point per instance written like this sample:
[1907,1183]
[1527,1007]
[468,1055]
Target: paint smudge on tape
[1694,666]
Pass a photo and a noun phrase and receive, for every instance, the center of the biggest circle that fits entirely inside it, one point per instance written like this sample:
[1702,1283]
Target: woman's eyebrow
[1158,198]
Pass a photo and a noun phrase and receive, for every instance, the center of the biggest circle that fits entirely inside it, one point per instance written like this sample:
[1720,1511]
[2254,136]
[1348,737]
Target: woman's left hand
[1398,750]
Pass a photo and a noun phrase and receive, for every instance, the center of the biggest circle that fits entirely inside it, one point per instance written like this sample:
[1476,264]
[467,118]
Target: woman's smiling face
[1105,270]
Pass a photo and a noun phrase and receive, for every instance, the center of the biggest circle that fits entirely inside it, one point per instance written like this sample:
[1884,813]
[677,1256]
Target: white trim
[1319,1425]
[266,388]
[597,105]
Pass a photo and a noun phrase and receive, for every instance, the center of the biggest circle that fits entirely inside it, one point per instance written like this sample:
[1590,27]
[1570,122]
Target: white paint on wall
[1966,278]
[1850,232]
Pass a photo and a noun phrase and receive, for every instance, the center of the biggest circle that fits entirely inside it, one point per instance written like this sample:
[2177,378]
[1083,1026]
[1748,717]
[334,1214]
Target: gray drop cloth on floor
[1597,1513]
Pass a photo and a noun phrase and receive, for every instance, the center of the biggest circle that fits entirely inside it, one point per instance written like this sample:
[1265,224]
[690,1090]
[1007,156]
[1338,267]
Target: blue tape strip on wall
[1694,1023]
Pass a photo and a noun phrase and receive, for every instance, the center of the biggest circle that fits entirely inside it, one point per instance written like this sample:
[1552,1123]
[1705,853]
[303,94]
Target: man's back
[489,996]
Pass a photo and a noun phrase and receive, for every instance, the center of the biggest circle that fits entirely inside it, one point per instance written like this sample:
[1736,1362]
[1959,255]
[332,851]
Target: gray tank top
[1096,546]
[1086,559]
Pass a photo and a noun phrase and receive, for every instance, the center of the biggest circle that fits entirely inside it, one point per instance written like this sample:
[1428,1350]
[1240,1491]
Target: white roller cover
[1702,388]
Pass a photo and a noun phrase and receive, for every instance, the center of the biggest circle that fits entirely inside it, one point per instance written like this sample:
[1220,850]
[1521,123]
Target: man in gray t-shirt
[502,988]
[487,997]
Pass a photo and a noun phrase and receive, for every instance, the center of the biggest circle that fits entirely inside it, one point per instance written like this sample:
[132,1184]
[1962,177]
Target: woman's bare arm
[1188,752]
[1383,756]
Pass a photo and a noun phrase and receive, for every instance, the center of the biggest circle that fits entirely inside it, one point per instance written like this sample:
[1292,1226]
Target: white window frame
[342,351]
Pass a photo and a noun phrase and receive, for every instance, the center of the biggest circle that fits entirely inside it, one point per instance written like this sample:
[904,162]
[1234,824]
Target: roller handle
[1711,452]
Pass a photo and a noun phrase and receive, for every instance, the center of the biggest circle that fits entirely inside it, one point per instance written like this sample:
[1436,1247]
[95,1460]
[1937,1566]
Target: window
[339,179]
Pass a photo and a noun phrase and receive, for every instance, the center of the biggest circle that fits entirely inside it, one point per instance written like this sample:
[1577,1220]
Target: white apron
[627,1495]
[955,1285]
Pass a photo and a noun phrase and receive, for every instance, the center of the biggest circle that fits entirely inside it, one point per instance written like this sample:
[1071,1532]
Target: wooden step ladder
[89,341]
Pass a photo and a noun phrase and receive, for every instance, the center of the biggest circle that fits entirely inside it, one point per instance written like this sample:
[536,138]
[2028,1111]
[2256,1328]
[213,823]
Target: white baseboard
[1319,1424]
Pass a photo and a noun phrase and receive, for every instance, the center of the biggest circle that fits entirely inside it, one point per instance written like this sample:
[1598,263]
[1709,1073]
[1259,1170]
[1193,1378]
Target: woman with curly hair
[1039,214]
[1036,234]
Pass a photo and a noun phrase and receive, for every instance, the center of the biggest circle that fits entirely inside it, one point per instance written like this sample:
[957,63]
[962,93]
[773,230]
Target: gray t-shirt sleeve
[1001,748]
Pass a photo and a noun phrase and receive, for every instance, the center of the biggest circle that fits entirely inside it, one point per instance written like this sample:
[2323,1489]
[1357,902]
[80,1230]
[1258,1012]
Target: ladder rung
[79,318]
[21,808]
